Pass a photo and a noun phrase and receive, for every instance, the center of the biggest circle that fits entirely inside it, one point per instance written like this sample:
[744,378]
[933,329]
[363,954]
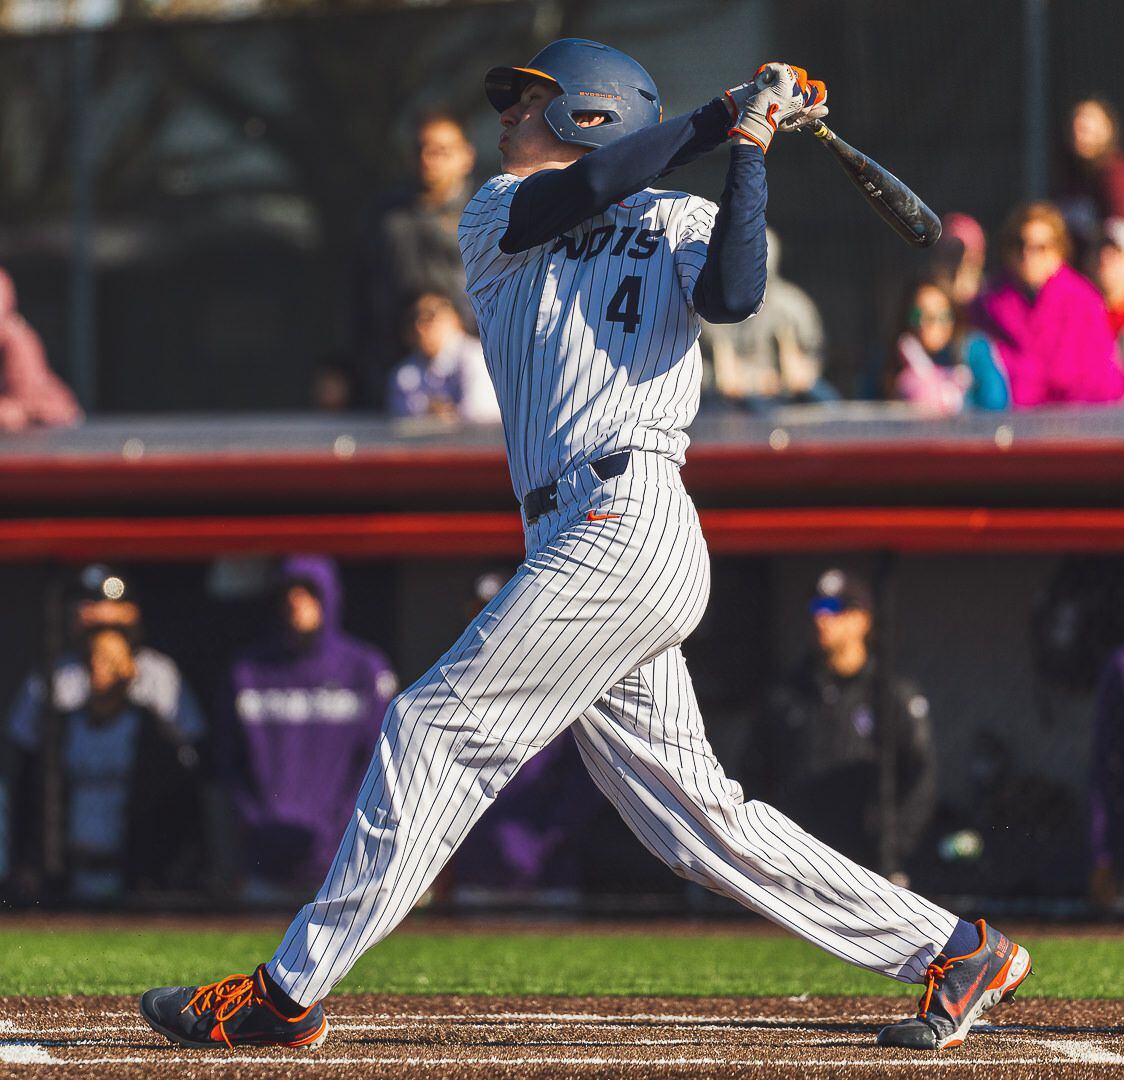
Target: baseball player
[588,286]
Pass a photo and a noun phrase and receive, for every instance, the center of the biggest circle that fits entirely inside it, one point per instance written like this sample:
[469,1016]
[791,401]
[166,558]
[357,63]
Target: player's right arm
[554,201]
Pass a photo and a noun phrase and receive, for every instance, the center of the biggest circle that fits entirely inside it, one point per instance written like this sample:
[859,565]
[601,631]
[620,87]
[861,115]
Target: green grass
[116,961]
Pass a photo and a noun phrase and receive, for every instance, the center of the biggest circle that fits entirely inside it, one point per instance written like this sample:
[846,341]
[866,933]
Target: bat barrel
[895,202]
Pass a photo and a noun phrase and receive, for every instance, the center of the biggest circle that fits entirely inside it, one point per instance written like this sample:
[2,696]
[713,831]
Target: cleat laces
[934,976]
[225,998]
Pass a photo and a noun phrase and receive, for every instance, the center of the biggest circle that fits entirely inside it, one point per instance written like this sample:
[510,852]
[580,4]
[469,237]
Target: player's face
[527,143]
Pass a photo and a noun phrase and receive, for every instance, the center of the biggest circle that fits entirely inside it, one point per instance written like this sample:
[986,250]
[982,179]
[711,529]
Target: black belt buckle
[544,499]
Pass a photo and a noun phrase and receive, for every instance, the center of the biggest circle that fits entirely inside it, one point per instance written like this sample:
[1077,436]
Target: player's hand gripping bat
[892,200]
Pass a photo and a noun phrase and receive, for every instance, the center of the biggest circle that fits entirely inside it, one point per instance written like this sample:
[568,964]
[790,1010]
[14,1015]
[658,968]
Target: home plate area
[523,1037]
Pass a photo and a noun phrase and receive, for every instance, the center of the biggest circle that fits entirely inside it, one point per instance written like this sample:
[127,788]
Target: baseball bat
[892,200]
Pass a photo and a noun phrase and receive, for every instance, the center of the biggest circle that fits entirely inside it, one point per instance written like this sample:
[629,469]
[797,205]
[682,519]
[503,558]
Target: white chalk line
[30,1051]
[338,1019]
[1085,1051]
[26,1054]
[205,1059]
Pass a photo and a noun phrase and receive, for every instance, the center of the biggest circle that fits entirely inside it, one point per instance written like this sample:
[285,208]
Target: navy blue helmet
[592,78]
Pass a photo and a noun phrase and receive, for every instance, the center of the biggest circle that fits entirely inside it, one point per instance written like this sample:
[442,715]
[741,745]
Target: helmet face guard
[592,78]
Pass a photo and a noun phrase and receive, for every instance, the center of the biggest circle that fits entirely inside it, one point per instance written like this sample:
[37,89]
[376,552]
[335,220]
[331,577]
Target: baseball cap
[98,582]
[838,591]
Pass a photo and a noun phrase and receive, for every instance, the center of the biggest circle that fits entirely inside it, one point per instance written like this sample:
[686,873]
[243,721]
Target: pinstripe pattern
[573,383]
[587,632]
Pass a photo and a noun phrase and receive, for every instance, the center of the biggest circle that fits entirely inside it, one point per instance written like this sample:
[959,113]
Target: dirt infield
[561,1037]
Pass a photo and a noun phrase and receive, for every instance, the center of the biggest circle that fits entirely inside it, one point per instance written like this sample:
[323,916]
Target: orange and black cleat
[958,989]
[235,1011]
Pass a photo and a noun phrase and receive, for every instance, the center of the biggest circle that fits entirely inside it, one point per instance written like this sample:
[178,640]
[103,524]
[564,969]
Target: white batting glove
[780,97]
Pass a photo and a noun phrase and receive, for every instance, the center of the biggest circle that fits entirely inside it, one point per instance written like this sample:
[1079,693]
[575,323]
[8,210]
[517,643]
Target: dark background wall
[1011,734]
[234,162]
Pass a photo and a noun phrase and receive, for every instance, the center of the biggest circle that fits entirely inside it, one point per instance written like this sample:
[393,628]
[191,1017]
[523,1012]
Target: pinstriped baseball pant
[586,635]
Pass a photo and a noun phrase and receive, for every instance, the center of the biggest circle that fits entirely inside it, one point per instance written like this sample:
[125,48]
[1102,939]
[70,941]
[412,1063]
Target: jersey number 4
[624,307]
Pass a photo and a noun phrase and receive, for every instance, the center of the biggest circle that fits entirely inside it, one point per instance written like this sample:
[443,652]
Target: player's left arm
[731,284]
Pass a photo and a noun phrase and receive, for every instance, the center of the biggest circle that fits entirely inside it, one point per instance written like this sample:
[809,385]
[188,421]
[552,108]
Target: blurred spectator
[411,246]
[818,756]
[527,846]
[333,386]
[957,259]
[1046,320]
[1106,786]
[1110,276]
[938,366]
[1093,181]
[777,356]
[445,374]
[308,704]
[30,393]
[128,732]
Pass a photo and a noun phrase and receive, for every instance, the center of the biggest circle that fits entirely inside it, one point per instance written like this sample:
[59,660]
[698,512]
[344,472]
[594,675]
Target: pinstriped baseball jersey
[590,339]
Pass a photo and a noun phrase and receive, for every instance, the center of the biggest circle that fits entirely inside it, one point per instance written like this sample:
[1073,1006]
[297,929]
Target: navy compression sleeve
[554,201]
[731,284]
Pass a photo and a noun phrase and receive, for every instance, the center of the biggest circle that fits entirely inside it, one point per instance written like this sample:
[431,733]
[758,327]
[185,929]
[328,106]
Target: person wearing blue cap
[822,741]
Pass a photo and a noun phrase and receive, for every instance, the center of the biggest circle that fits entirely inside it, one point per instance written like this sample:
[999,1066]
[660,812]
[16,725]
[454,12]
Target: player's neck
[529,168]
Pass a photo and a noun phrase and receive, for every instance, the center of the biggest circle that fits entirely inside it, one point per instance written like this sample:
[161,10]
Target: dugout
[990,540]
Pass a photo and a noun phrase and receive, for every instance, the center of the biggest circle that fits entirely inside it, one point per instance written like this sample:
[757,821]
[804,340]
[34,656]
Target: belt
[544,499]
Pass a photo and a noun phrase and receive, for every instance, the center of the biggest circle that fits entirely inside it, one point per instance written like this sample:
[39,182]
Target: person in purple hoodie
[307,704]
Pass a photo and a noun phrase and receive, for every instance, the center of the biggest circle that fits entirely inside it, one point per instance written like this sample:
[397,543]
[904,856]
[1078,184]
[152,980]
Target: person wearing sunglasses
[938,365]
[1048,322]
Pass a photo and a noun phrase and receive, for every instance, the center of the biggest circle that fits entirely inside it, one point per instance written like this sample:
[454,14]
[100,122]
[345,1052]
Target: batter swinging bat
[899,207]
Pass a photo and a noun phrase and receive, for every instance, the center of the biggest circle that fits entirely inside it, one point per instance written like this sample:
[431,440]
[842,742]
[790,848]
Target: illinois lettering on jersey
[590,339]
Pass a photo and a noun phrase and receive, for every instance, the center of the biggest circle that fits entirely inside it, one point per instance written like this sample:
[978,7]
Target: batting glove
[780,97]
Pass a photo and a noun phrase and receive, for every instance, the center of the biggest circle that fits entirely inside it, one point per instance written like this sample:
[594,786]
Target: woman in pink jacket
[1048,322]
[30,392]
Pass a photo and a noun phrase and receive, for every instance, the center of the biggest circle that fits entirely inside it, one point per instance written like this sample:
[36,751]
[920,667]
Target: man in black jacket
[820,748]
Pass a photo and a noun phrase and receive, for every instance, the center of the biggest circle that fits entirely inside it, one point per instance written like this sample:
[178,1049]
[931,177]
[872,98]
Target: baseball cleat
[235,1011]
[958,989]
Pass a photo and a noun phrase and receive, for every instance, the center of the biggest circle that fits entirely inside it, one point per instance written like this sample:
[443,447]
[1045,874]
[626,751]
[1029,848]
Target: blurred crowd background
[226,206]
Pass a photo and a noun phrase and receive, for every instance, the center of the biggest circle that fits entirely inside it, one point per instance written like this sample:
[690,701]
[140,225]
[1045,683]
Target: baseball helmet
[592,78]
